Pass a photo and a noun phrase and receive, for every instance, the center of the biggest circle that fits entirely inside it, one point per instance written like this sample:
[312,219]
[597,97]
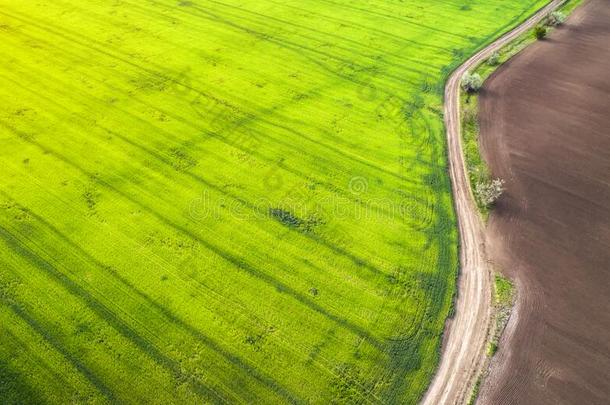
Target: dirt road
[466,333]
[545,128]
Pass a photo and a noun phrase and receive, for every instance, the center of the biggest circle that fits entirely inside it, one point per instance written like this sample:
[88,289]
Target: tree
[555,18]
[540,32]
[488,192]
[471,83]
[494,59]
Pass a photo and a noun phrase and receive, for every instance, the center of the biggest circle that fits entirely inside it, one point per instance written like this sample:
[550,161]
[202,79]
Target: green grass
[492,348]
[477,167]
[503,302]
[504,295]
[475,391]
[503,291]
[228,201]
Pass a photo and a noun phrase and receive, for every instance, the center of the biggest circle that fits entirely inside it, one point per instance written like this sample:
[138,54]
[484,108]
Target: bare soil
[545,129]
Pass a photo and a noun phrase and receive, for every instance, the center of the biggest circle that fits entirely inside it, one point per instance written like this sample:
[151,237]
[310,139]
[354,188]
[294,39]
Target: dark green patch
[181,160]
[290,220]
[492,348]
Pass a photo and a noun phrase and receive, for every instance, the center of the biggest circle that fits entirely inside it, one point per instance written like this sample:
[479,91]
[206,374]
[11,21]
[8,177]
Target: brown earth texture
[545,129]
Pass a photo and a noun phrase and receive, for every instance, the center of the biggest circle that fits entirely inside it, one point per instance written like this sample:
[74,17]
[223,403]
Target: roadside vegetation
[486,189]
[235,201]
[541,31]
[503,300]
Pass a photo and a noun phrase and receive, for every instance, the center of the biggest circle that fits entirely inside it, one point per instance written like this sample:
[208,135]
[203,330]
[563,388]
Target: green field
[228,201]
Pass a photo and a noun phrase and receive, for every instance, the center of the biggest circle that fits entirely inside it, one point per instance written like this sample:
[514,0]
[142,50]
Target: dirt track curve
[466,333]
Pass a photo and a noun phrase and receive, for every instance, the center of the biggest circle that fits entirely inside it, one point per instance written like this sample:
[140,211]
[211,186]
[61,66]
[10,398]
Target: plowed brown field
[545,128]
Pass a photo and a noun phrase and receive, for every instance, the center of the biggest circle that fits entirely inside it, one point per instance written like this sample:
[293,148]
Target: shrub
[540,32]
[471,83]
[492,349]
[555,18]
[488,192]
[494,59]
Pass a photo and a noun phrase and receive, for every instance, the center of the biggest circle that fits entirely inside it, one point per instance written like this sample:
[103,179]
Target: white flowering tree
[555,18]
[471,82]
[488,192]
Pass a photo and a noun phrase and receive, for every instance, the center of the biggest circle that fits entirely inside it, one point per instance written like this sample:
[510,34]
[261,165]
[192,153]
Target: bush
[471,83]
[488,192]
[494,59]
[540,32]
[555,18]
[492,349]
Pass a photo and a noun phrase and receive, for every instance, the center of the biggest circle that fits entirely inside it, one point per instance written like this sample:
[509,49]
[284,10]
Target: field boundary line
[466,332]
